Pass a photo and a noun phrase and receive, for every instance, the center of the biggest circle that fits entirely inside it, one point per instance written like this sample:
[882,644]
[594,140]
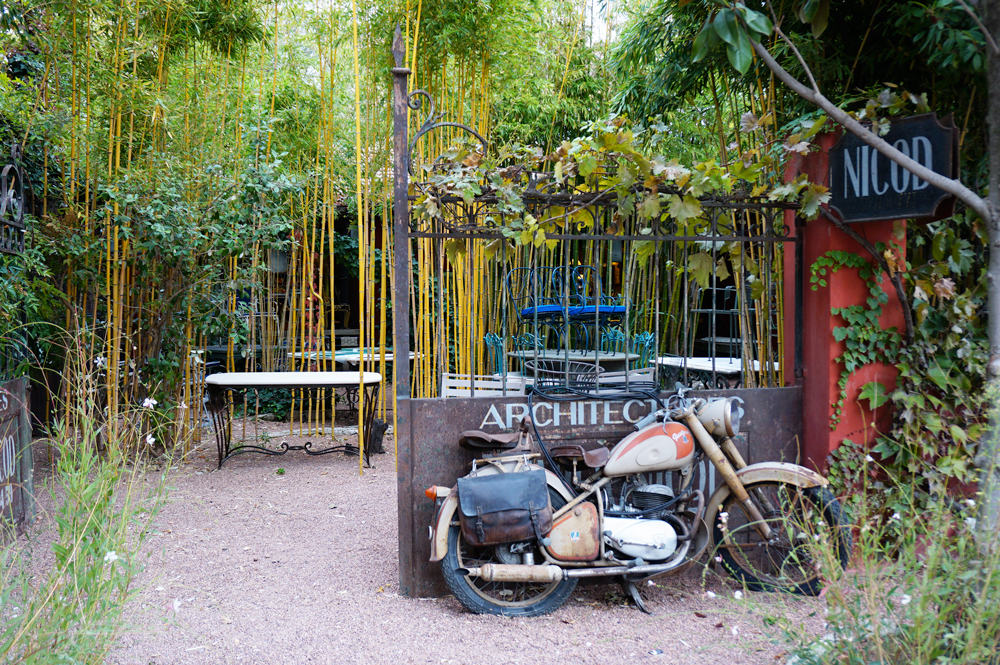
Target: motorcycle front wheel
[808,535]
[512,599]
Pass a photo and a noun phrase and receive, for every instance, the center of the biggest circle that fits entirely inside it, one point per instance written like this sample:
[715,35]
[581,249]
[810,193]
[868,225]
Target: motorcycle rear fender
[784,472]
[446,513]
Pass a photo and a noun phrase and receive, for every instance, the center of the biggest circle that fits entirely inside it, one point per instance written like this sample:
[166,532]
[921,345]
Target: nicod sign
[866,186]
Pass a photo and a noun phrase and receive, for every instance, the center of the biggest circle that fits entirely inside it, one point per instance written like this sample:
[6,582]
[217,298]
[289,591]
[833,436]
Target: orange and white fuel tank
[656,447]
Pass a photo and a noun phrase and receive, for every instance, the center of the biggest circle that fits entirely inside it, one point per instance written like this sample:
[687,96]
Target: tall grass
[923,588]
[63,602]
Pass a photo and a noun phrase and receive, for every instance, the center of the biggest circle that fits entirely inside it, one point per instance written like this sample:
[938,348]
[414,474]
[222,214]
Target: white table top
[292,379]
[709,364]
[352,357]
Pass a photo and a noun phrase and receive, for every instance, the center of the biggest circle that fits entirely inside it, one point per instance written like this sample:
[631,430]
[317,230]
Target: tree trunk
[988,459]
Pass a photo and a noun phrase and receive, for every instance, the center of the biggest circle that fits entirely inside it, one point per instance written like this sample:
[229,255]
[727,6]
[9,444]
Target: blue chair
[495,353]
[560,295]
[645,345]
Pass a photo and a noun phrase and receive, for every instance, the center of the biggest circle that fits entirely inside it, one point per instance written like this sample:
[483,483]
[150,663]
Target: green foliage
[945,33]
[865,341]
[925,587]
[614,159]
[921,591]
[940,402]
[532,110]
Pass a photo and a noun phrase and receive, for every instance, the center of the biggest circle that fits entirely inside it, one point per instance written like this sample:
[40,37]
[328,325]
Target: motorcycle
[516,534]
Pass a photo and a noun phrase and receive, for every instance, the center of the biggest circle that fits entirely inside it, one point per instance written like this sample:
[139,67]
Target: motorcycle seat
[475,439]
[594,458]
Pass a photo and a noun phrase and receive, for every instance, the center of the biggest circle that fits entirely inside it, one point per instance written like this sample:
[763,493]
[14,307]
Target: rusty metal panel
[15,458]
[429,453]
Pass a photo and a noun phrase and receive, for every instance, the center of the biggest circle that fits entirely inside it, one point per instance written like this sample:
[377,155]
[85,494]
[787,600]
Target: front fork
[718,457]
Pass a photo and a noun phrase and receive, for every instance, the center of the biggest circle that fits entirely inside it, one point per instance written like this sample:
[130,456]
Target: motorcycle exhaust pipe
[509,572]
[504,572]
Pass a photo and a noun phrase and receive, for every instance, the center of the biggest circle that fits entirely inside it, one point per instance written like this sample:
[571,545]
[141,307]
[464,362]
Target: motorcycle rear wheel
[807,534]
[512,599]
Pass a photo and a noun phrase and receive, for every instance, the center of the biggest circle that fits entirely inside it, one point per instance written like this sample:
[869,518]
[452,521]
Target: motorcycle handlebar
[652,417]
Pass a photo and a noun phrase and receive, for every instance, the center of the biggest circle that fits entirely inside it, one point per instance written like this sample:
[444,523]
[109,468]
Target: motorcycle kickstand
[633,592]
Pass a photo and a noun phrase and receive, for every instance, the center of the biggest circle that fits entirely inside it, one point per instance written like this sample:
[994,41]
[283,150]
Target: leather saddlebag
[504,507]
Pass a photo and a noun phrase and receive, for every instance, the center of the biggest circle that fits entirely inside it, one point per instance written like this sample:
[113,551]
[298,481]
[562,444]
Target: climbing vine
[613,161]
[865,341]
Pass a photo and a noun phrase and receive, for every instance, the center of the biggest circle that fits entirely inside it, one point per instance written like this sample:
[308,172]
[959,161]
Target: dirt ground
[292,559]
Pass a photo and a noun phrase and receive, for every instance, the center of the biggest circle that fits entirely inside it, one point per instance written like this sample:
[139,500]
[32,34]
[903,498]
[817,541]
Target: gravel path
[292,560]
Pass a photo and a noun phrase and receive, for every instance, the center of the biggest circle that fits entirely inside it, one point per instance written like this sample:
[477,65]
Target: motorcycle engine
[650,540]
[645,497]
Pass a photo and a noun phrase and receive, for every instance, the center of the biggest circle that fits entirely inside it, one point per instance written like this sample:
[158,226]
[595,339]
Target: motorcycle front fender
[446,514]
[783,472]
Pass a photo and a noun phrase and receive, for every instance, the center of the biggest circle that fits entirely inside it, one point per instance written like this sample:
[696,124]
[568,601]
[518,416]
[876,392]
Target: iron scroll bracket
[432,121]
[12,204]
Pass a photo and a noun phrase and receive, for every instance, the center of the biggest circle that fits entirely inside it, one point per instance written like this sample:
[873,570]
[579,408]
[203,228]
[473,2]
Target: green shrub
[72,612]
[924,586]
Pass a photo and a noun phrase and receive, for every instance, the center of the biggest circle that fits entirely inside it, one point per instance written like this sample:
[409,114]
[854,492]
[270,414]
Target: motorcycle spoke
[787,557]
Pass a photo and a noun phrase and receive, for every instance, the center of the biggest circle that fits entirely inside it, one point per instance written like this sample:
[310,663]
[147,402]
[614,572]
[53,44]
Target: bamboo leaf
[727,27]
[757,22]
[741,53]
[821,18]
[704,42]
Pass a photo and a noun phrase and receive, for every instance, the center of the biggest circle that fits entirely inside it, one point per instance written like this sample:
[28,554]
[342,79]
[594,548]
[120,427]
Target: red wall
[820,372]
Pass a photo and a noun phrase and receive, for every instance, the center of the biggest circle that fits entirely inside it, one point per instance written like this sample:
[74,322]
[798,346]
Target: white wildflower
[718,559]
[111,557]
[182,405]
[150,440]
[149,403]
[896,516]
[905,599]
[101,362]
[971,503]
[869,458]
[738,595]
[709,594]
[971,523]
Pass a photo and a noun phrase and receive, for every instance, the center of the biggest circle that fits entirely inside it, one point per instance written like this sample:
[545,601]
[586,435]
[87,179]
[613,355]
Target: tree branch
[986,33]
[979,205]
[798,56]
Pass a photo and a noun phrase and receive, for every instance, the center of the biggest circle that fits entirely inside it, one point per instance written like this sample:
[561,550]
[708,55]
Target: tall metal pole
[407,496]
[400,221]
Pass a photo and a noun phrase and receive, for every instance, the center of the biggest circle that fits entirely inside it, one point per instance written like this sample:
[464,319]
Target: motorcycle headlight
[721,417]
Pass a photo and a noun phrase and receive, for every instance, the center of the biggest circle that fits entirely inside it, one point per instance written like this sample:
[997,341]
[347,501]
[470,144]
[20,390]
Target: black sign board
[866,186]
